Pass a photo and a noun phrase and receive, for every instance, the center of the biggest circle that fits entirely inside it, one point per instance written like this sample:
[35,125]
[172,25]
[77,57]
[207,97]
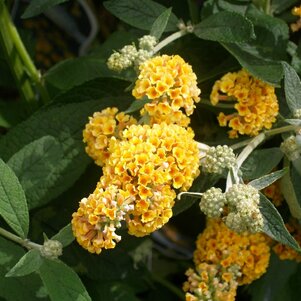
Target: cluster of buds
[241,202]
[218,159]
[129,55]
[291,148]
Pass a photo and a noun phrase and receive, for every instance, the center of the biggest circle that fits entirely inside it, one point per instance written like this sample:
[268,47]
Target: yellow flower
[98,216]
[220,246]
[149,162]
[255,103]
[209,282]
[100,128]
[168,78]
[296,11]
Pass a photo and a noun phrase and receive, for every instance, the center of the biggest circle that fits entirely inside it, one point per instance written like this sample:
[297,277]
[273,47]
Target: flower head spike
[99,216]
[100,128]
[255,103]
[296,11]
[149,162]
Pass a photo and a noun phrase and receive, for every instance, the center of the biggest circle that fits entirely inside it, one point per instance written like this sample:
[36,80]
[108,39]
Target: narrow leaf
[137,105]
[290,187]
[62,282]
[269,158]
[267,180]
[160,24]
[28,264]
[292,87]
[140,13]
[225,27]
[35,166]
[274,226]
[65,236]
[296,122]
[13,206]
[37,7]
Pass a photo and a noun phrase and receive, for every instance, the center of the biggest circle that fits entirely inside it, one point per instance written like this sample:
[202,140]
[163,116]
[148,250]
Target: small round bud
[212,202]
[129,53]
[147,43]
[218,159]
[291,148]
[297,113]
[115,62]
[52,249]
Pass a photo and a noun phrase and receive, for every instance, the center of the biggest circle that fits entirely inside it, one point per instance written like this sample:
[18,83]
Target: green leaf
[74,72]
[35,165]
[13,206]
[274,226]
[28,264]
[272,35]
[140,13]
[137,105]
[16,289]
[62,282]
[37,7]
[64,236]
[12,113]
[225,27]
[268,158]
[262,68]
[292,87]
[160,24]
[267,180]
[64,119]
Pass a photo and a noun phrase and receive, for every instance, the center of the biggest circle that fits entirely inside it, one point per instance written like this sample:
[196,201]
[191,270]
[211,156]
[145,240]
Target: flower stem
[26,75]
[169,39]
[23,242]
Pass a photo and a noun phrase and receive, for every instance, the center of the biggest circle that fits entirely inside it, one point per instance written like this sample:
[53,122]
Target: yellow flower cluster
[296,11]
[98,216]
[168,80]
[149,162]
[219,245]
[284,252]
[255,103]
[100,128]
[209,282]
[143,165]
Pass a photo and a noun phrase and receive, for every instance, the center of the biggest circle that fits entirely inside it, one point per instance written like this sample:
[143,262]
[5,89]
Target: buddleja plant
[185,118]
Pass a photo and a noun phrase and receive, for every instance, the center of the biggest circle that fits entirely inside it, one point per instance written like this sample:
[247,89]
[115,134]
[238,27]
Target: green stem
[169,286]
[23,242]
[250,147]
[169,39]
[193,11]
[22,67]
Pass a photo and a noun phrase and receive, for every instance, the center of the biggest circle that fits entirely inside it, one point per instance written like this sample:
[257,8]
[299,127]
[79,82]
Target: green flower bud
[212,202]
[52,249]
[218,159]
